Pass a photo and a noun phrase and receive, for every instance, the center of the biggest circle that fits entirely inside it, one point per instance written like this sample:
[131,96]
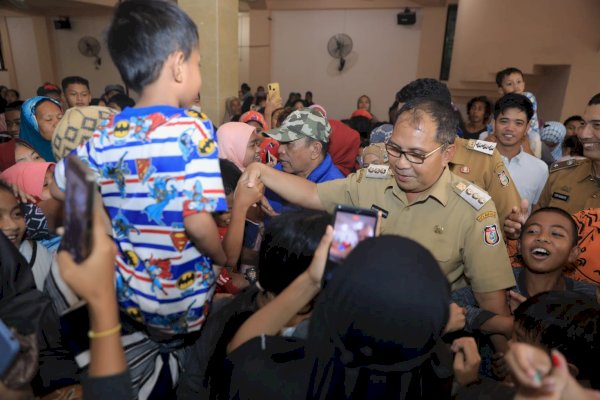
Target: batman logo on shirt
[206,147]
[121,129]
[186,280]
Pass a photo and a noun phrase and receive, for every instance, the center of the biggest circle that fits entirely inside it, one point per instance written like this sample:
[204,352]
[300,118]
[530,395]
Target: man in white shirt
[512,115]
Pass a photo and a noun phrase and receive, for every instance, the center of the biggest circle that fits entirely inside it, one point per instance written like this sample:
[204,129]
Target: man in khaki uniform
[573,185]
[474,160]
[480,163]
[454,219]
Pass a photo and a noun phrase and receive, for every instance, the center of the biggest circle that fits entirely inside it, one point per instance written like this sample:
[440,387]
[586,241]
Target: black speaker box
[407,18]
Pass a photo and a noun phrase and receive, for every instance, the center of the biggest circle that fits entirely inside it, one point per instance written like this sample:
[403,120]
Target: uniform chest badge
[503,178]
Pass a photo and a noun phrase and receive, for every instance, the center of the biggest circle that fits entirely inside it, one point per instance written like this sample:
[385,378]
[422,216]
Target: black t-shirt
[269,367]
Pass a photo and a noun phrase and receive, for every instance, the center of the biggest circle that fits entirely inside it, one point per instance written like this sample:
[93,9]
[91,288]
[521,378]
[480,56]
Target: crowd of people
[209,244]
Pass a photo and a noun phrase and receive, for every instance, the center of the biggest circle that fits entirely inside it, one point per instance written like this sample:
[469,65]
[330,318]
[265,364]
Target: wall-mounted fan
[339,46]
[90,47]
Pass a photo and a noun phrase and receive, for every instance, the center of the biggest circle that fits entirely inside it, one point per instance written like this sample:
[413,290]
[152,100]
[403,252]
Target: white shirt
[529,174]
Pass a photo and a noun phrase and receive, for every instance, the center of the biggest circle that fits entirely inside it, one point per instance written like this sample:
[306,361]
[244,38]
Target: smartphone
[273,92]
[9,348]
[79,205]
[350,227]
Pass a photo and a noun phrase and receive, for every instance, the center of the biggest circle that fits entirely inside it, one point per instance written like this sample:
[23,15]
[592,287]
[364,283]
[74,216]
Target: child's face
[547,242]
[78,95]
[253,149]
[511,126]
[513,83]
[24,153]
[193,79]
[12,222]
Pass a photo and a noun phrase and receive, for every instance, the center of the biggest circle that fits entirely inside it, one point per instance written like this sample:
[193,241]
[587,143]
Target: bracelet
[108,332]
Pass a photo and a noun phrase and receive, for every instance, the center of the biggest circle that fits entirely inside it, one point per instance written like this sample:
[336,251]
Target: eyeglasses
[414,158]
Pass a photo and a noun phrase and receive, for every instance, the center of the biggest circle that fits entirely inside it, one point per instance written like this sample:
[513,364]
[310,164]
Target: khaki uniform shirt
[571,186]
[487,171]
[465,241]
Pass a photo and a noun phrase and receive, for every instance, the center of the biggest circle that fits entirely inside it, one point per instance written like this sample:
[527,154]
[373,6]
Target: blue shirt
[326,171]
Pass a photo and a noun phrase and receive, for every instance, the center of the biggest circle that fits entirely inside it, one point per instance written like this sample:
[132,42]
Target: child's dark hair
[288,247]
[71,80]
[566,321]
[574,229]
[485,101]
[514,100]
[6,187]
[231,175]
[122,100]
[142,35]
[506,72]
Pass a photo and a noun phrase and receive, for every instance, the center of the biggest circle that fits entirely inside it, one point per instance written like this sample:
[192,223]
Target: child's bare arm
[243,199]
[202,231]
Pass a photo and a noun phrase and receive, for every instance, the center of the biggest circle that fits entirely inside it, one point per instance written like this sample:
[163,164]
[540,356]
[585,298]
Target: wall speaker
[407,17]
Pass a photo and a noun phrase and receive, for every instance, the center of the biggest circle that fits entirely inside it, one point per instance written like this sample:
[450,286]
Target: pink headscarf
[28,176]
[232,138]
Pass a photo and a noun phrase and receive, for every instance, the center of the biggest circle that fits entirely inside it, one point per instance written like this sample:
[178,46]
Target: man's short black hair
[573,118]
[122,100]
[70,80]
[142,35]
[594,100]
[514,100]
[15,105]
[16,92]
[573,226]
[230,174]
[424,88]
[442,113]
[506,72]
[485,101]
[245,87]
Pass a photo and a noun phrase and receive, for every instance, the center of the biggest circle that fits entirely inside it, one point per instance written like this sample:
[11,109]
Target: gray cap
[302,123]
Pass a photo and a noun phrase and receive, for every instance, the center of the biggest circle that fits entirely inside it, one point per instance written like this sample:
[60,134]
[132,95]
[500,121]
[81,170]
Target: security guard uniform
[479,162]
[571,186]
[455,220]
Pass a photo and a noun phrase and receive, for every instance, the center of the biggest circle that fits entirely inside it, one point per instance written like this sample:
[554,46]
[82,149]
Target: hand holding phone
[273,93]
[79,203]
[350,227]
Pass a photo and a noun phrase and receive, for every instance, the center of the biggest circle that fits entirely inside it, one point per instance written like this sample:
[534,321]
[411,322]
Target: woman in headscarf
[239,143]
[553,134]
[39,117]
[373,333]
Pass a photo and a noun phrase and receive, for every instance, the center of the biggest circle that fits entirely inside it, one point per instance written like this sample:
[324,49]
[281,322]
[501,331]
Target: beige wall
[495,34]
[70,62]
[41,53]
[384,57]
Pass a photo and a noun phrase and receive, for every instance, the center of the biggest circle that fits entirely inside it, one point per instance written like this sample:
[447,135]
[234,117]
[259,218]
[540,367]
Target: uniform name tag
[560,196]
[481,146]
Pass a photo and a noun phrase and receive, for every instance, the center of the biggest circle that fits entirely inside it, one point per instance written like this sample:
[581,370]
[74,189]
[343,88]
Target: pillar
[217,22]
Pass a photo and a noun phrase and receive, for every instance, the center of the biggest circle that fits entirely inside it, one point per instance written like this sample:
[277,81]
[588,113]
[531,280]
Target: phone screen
[79,199]
[351,226]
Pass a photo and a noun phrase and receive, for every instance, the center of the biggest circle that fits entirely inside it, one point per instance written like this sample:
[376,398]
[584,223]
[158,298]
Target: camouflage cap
[302,123]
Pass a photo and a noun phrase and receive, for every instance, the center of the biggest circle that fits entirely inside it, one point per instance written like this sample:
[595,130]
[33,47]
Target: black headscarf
[376,328]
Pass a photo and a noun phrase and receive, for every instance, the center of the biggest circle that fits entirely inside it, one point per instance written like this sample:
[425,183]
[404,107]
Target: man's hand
[516,219]
[457,318]
[466,360]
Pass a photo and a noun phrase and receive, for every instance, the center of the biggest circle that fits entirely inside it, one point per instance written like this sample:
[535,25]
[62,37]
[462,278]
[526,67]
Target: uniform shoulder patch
[378,171]
[472,194]
[481,146]
[571,163]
